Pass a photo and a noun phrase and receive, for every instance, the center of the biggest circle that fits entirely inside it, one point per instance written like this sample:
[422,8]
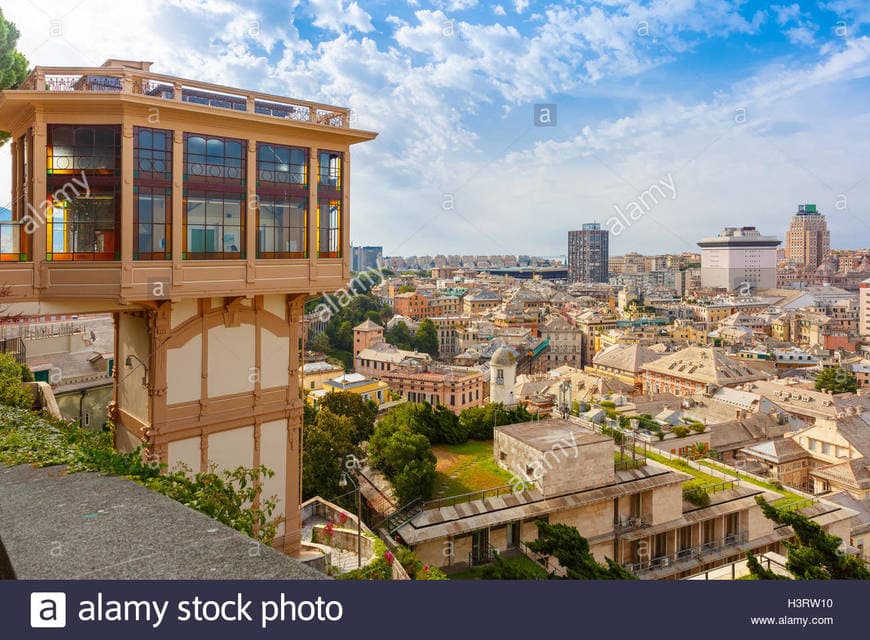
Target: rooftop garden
[701,482]
[467,467]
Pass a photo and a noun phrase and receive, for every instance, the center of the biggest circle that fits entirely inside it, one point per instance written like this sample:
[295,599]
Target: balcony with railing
[128,81]
[688,557]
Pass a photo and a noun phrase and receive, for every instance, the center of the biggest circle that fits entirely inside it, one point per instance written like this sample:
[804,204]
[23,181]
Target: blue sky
[747,108]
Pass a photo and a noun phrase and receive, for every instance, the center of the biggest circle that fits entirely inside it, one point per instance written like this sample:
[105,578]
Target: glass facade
[152,194]
[83,166]
[281,231]
[329,171]
[214,226]
[214,197]
[282,195]
[328,228]
[215,161]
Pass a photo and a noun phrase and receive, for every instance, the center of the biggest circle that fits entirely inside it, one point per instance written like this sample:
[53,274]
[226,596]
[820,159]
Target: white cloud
[334,15]
[426,87]
[786,13]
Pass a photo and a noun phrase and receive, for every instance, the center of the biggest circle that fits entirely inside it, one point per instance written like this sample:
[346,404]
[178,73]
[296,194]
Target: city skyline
[688,92]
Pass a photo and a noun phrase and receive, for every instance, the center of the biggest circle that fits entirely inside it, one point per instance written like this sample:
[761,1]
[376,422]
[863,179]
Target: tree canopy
[572,551]
[814,555]
[326,441]
[13,64]
[426,338]
[836,380]
[405,457]
[351,405]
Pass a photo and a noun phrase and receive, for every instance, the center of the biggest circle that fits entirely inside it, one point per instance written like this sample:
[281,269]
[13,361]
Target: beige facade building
[808,242]
[566,342]
[201,217]
[456,388]
[623,362]
[696,370]
[636,513]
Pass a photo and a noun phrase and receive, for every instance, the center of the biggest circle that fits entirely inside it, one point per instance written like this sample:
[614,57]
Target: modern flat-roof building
[588,254]
[739,259]
[808,242]
[364,258]
[630,509]
[200,216]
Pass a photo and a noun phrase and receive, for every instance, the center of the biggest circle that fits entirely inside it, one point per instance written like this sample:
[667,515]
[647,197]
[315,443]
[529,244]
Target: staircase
[403,515]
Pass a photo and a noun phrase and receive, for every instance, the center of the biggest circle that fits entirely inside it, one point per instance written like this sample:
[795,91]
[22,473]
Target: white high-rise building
[739,260]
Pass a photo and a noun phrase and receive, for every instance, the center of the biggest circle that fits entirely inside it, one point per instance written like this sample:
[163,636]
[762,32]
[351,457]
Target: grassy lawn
[701,479]
[524,561]
[788,498]
[467,467]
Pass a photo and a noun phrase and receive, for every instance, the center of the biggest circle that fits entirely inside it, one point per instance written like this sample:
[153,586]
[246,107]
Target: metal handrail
[471,496]
[132,81]
[688,554]
[725,485]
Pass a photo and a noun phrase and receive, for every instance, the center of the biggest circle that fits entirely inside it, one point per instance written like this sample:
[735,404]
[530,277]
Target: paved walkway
[341,559]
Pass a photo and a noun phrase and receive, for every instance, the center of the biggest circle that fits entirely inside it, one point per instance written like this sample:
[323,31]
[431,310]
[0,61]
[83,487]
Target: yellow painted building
[368,388]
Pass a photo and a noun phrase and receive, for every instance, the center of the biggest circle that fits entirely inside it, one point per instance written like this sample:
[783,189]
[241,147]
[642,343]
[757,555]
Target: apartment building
[365,387]
[456,388]
[480,301]
[565,341]
[697,370]
[624,362]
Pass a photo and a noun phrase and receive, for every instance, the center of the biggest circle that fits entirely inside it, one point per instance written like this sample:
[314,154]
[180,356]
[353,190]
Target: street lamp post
[345,478]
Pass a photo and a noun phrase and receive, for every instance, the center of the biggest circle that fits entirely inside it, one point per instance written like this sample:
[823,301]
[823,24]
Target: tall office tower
[588,254]
[364,258]
[201,217]
[739,259]
[808,241]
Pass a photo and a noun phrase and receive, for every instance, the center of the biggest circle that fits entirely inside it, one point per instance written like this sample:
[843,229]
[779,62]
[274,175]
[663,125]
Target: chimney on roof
[136,65]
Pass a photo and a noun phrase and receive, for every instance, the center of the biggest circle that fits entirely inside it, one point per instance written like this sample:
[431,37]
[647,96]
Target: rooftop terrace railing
[144,83]
[495,492]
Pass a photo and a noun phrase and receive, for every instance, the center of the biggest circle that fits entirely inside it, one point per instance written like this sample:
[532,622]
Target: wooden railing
[144,83]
